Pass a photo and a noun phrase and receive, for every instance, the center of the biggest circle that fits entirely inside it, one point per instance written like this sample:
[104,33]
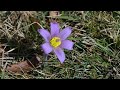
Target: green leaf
[105,49]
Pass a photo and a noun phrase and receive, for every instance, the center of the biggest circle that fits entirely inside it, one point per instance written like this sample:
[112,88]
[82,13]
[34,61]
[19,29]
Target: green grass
[96,53]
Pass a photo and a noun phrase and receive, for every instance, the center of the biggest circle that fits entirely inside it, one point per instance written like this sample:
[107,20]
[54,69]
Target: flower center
[55,42]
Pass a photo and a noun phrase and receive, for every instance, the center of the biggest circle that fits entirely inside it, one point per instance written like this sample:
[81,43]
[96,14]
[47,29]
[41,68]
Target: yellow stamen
[55,42]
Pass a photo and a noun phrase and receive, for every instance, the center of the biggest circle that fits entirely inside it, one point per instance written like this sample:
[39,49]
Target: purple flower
[56,40]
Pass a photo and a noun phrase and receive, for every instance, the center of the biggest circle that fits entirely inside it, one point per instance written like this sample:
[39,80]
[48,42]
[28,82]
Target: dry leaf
[19,67]
[24,66]
[54,14]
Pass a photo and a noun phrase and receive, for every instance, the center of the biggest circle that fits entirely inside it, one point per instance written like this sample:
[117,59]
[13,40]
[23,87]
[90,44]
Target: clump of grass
[96,50]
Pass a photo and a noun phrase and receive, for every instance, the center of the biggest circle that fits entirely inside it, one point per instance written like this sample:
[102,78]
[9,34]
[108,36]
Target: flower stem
[45,60]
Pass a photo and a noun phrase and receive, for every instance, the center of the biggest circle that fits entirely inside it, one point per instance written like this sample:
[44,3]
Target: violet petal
[60,54]
[46,48]
[67,44]
[45,34]
[65,33]
[54,29]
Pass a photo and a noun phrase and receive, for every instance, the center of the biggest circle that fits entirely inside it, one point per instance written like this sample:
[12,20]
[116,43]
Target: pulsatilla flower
[56,40]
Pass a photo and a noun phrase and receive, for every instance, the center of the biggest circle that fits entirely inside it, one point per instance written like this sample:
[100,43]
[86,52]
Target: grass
[96,53]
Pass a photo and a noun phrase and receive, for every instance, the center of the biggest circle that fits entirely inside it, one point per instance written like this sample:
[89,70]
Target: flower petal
[54,28]
[60,54]
[67,44]
[46,48]
[65,33]
[45,34]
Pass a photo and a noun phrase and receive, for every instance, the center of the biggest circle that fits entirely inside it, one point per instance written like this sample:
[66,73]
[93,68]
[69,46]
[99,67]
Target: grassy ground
[96,50]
